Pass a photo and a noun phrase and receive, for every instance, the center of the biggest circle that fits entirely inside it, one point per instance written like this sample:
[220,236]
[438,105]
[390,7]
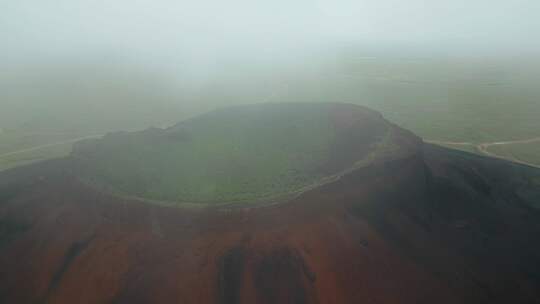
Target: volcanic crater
[241,155]
[368,213]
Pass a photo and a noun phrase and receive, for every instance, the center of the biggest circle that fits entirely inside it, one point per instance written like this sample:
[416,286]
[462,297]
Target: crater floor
[239,154]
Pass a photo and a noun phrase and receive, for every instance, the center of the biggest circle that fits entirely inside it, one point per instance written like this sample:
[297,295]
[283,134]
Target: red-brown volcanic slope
[382,234]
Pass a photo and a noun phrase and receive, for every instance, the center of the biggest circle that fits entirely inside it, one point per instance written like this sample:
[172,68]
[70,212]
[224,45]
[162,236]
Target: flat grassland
[24,147]
[528,152]
[443,100]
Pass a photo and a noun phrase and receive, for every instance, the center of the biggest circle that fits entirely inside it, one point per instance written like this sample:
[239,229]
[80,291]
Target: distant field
[45,105]
[14,140]
[443,100]
[24,147]
[454,99]
[522,152]
[28,157]
[450,101]
[457,100]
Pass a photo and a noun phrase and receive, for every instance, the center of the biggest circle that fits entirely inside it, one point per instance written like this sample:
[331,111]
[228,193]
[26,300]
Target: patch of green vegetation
[238,154]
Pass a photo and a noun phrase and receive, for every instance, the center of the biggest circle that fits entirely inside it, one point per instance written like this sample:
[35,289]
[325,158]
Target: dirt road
[484,148]
[49,145]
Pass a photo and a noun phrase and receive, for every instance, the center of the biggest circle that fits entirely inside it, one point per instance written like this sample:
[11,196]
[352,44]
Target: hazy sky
[59,56]
[204,31]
